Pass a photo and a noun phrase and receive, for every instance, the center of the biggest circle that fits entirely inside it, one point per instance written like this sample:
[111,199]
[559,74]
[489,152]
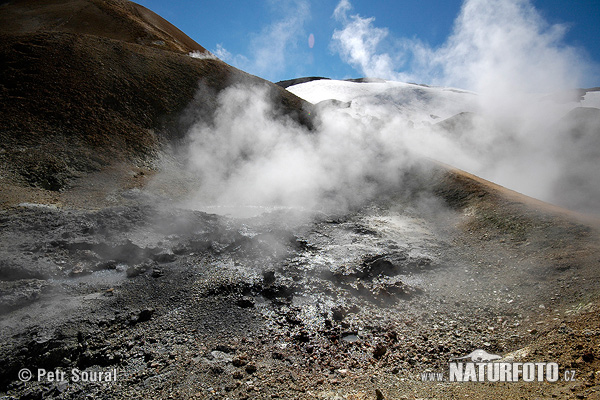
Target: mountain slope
[87,84]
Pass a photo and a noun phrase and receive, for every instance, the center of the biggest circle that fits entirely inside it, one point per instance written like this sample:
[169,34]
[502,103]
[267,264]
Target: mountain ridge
[79,102]
[113,19]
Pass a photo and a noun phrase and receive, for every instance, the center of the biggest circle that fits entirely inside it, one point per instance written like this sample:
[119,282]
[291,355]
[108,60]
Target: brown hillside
[114,19]
[85,85]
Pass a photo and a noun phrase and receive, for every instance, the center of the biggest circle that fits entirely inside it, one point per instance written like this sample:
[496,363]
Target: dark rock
[224,349]
[157,273]
[239,361]
[216,369]
[164,257]
[302,337]
[104,265]
[145,315]
[268,277]
[588,356]
[296,81]
[277,291]
[338,313]
[374,266]
[238,375]
[379,351]
[246,302]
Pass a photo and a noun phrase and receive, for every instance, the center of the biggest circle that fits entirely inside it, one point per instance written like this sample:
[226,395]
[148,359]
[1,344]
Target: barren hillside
[106,265]
[88,84]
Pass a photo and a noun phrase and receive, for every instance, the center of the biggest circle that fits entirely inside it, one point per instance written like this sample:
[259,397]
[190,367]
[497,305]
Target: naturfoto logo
[481,366]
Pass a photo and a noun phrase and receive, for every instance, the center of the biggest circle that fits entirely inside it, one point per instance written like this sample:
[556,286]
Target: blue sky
[397,39]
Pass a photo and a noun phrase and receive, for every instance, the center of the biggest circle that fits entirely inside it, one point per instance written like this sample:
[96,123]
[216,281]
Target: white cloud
[341,11]
[222,53]
[272,49]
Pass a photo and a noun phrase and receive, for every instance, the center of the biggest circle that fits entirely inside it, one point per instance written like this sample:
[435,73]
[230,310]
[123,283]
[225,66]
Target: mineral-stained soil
[298,304]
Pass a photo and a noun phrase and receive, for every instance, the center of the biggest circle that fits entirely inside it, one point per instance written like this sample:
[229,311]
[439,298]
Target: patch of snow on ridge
[591,99]
[416,103]
[316,91]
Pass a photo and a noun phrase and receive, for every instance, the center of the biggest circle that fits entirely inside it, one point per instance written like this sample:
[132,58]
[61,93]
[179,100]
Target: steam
[512,58]
[202,55]
[245,156]
[495,46]
[358,43]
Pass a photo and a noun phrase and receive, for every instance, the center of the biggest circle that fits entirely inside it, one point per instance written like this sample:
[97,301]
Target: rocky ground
[101,269]
[295,303]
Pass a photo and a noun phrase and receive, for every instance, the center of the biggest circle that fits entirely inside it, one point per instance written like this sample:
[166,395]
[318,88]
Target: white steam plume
[495,44]
[508,54]
[358,44]
[246,157]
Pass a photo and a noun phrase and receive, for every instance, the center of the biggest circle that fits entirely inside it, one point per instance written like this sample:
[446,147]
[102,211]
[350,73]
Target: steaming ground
[299,304]
[537,150]
[344,264]
[521,132]
[281,250]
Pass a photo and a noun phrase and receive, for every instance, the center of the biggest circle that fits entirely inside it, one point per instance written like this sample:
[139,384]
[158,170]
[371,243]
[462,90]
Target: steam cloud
[495,46]
[510,56]
[246,157]
[503,50]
